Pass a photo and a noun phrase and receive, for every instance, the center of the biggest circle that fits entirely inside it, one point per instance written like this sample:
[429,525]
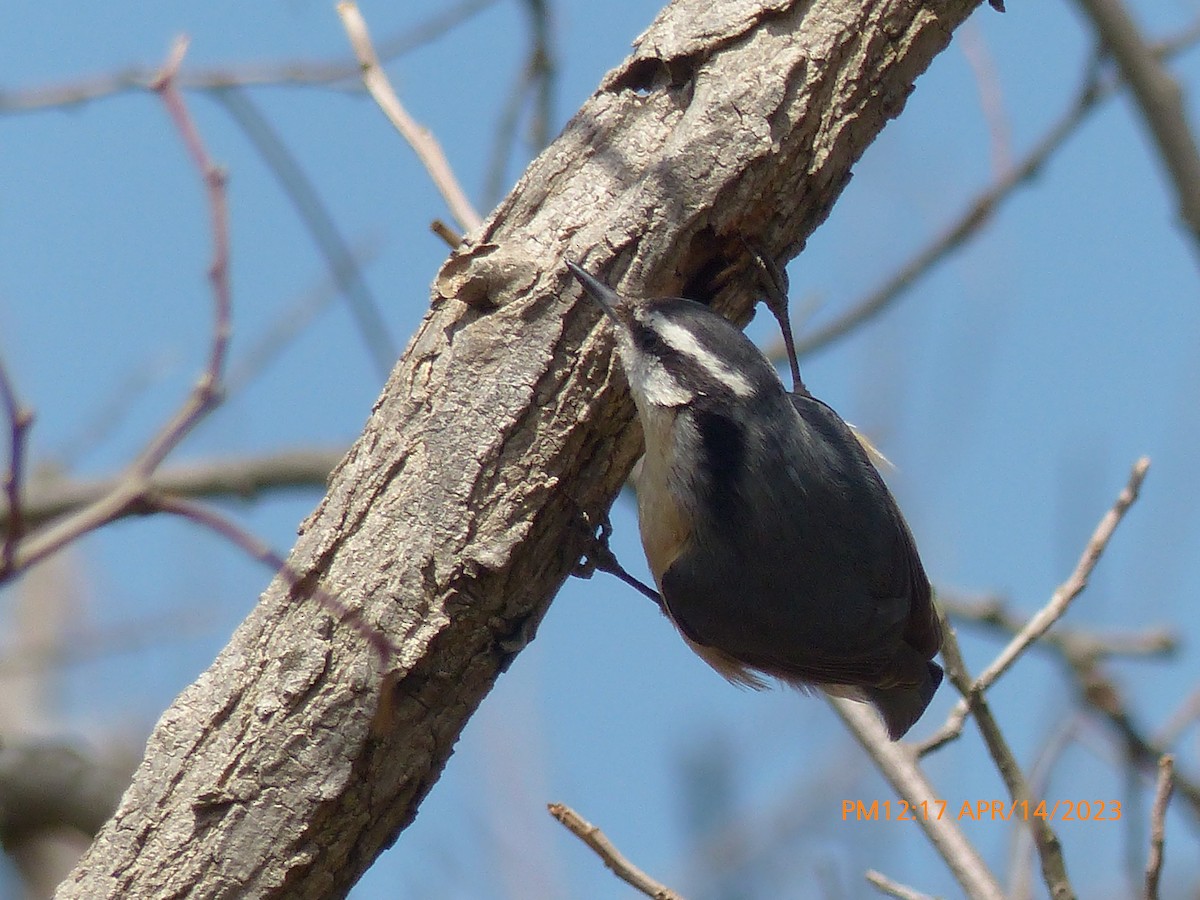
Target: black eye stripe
[680,365]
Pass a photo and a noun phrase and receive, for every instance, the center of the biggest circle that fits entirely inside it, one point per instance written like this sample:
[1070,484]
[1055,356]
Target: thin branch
[207,393]
[1062,598]
[610,855]
[1159,100]
[1158,823]
[129,491]
[995,615]
[420,139]
[968,224]
[20,420]
[1054,871]
[446,233]
[1020,871]
[898,764]
[242,478]
[991,96]
[894,888]
[1044,618]
[980,211]
[294,73]
[315,214]
[1101,694]
[212,520]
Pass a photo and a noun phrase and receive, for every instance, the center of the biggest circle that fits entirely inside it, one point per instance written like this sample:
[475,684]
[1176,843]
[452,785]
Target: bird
[776,547]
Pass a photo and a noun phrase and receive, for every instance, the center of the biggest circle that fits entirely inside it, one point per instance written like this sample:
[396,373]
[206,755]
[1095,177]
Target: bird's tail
[902,705]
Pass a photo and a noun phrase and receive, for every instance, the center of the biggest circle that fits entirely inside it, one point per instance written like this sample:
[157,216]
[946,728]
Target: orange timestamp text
[983,810]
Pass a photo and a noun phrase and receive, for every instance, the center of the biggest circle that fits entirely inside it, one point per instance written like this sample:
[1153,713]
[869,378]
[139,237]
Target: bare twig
[207,392]
[1054,871]
[991,99]
[610,855]
[1159,100]
[315,214]
[966,225]
[1158,822]
[1061,600]
[446,233]
[1101,694]
[1044,618]
[894,888]
[1020,871]
[898,764]
[20,420]
[420,139]
[129,492]
[238,478]
[335,73]
[979,211]
[995,615]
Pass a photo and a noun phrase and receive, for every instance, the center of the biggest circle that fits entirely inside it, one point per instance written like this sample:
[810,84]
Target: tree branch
[128,492]
[16,519]
[900,766]
[244,478]
[453,520]
[1158,824]
[609,854]
[1054,870]
[424,144]
[1055,608]
[1159,100]
[340,73]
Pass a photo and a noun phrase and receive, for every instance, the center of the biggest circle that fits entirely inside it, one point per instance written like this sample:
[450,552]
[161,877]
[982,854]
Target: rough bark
[454,519]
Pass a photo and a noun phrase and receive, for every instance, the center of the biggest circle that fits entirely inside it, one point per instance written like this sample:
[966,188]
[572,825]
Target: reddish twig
[131,489]
[207,393]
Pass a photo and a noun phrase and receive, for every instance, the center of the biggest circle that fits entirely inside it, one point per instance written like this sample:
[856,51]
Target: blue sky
[1013,388]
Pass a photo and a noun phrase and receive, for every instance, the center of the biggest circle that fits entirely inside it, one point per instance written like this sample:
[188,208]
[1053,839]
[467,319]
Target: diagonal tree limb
[1159,101]
[288,766]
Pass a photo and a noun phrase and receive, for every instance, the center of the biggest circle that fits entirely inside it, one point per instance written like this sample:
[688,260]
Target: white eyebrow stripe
[683,341]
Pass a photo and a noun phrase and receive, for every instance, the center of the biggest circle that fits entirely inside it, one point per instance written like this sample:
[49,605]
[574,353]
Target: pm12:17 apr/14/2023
[983,810]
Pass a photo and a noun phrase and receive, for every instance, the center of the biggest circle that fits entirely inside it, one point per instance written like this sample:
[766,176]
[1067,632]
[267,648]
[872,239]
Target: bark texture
[455,518]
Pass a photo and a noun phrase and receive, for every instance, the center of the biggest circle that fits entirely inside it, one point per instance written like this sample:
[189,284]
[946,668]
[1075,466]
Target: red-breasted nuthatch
[776,546]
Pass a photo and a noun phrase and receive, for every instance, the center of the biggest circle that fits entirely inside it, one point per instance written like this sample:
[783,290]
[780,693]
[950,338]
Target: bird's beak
[608,299]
